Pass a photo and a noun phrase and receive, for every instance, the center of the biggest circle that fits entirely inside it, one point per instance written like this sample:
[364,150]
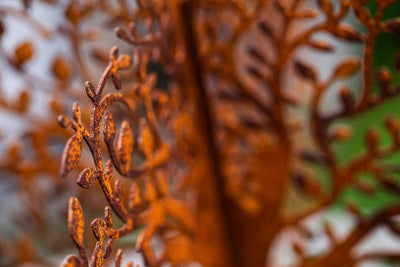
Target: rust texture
[205,136]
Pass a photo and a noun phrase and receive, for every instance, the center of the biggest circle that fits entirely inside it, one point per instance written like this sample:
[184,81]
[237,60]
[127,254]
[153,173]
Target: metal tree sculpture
[213,191]
[40,76]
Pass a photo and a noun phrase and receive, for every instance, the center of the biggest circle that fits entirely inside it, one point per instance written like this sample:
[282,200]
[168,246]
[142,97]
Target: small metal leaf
[255,73]
[76,222]
[99,228]
[90,90]
[307,185]
[121,33]
[348,33]
[305,71]
[265,29]
[126,142]
[23,53]
[60,68]
[23,101]
[109,131]
[124,61]
[347,68]
[134,196]
[146,139]
[322,46]
[86,178]
[72,154]
[255,54]
[64,121]
[340,133]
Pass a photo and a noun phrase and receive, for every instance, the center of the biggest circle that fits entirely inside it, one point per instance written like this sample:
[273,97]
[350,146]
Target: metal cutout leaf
[146,139]
[109,128]
[347,68]
[126,142]
[348,33]
[322,46]
[76,222]
[99,228]
[305,71]
[86,178]
[72,154]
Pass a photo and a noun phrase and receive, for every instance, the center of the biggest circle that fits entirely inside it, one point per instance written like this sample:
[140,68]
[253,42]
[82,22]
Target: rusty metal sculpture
[207,153]
[30,159]
[253,135]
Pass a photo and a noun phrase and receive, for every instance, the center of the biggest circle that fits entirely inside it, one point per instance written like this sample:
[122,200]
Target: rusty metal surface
[255,134]
[257,176]
[191,138]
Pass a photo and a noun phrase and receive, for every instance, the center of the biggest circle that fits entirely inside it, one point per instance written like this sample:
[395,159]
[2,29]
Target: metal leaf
[347,68]
[109,128]
[72,154]
[348,33]
[90,90]
[265,29]
[322,46]
[99,228]
[23,53]
[86,178]
[305,71]
[60,68]
[146,139]
[124,61]
[126,142]
[76,222]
